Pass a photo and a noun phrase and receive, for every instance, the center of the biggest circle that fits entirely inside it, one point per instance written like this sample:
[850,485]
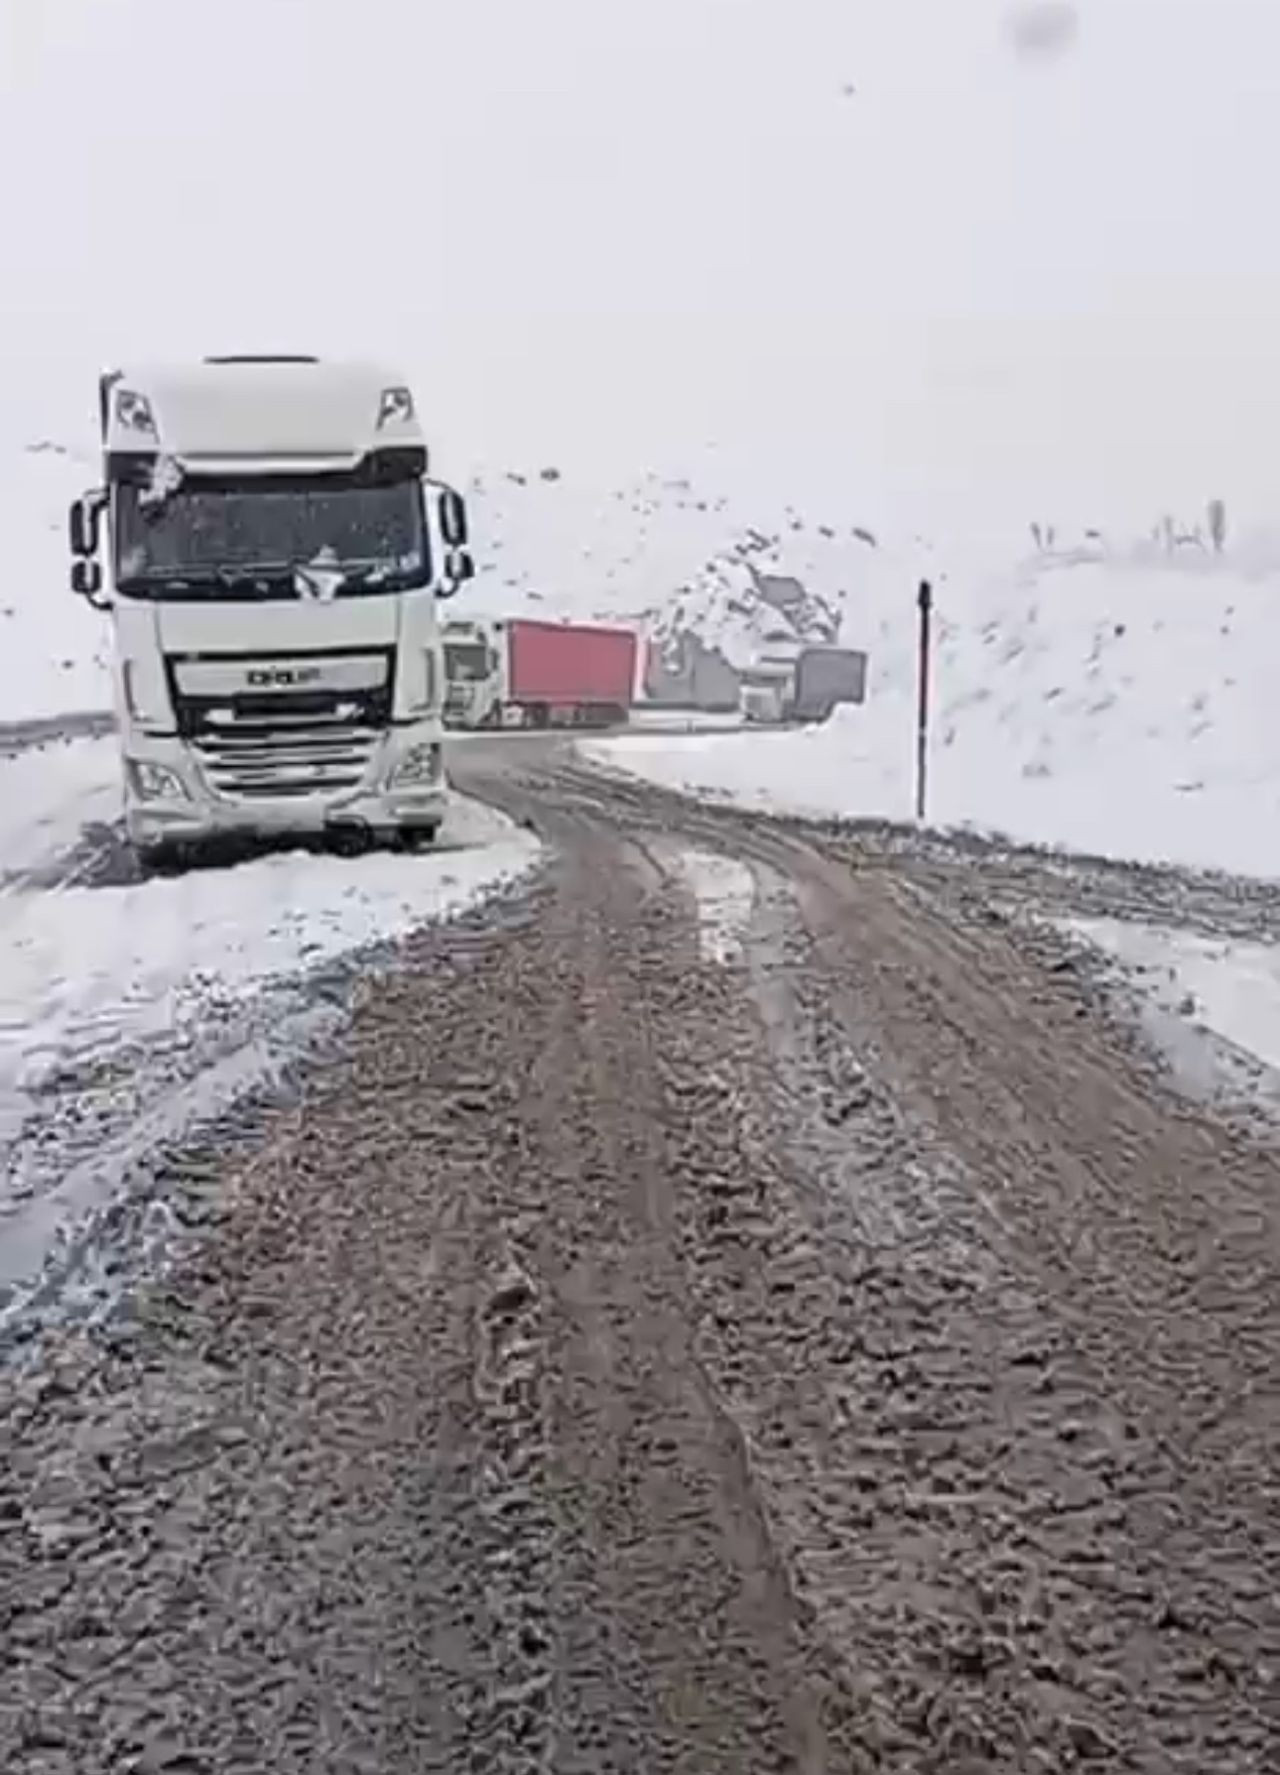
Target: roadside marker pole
[924,601]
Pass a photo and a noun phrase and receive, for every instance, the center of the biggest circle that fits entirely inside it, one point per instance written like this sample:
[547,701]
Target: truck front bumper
[169,798]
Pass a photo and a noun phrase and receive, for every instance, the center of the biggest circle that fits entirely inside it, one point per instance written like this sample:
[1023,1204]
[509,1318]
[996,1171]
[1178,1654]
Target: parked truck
[802,683]
[518,673]
[271,549]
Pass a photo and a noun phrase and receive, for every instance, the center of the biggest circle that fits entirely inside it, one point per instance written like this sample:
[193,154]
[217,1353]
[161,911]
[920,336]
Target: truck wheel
[412,839]
[349,841]
[159,859]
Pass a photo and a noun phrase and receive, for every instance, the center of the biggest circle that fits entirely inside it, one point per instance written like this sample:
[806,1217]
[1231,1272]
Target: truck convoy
[274,550]
[802,683]
[519,673]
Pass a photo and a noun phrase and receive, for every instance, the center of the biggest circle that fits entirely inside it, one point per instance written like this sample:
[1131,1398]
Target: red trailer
[570,674]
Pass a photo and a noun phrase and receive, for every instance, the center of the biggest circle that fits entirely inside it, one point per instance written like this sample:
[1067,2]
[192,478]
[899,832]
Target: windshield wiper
[367,575]
[206,582]
[259,579]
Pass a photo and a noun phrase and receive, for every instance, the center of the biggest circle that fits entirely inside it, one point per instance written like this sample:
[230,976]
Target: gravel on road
[833,1351]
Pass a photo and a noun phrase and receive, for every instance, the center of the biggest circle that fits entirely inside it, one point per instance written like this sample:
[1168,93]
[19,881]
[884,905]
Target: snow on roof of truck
[285,411]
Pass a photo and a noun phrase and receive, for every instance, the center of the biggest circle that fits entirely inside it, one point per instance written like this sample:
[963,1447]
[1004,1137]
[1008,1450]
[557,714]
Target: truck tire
[597,715]
[412,839]
[159,859]
[348,840]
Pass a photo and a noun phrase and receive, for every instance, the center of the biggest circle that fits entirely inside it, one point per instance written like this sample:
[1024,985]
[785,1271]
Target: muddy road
[744,1308]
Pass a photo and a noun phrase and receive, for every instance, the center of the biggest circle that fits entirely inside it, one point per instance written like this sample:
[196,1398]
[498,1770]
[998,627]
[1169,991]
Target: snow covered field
[1120,709]
[83,968]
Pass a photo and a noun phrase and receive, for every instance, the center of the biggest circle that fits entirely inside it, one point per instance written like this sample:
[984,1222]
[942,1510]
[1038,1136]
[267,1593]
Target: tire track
[839,1358]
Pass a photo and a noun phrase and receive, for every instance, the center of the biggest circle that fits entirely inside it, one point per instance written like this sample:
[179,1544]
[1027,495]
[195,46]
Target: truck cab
[518,672]
[768,684]
[801,682]
[271,550]
[473,671]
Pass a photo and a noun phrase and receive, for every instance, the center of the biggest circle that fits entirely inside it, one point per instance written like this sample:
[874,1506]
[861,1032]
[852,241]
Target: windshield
[466,662]
[281,541]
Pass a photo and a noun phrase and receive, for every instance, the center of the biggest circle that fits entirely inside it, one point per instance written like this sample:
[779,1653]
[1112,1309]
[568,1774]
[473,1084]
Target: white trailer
[274,551]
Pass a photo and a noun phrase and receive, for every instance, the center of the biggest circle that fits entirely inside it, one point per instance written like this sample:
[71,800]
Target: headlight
[421,764]
[396,405]
[155,782]
[133,411]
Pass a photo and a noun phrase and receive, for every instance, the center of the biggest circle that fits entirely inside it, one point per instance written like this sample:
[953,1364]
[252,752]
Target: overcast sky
[622,234]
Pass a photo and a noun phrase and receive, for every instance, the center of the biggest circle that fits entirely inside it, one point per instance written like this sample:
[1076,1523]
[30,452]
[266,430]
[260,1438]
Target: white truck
[473,674]
[274,554]
[801,681]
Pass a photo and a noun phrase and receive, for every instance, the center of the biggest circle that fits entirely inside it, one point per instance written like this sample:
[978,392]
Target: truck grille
[312,759]
[278,743]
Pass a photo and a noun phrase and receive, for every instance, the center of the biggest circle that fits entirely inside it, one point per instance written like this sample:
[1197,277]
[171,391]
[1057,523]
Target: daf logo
[260,677]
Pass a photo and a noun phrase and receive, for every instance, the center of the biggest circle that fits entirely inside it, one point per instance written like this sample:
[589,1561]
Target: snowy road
[754,1303]
[133,1012]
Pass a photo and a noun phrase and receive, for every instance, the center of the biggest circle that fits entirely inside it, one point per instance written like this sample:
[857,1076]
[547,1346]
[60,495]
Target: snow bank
[1220,985]
[83,968]
[1123,709]
[49,794]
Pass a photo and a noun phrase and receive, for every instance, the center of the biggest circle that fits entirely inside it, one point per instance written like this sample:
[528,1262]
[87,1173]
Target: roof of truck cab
[213,412]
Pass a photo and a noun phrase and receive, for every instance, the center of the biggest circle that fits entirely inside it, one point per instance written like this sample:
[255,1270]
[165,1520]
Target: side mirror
[86,583]
[453,520]
[458,569]
[83,525]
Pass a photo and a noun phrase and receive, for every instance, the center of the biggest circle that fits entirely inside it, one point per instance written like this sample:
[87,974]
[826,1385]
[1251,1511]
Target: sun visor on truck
[380,468]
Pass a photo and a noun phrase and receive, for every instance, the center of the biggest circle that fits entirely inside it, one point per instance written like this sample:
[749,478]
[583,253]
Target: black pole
[925,602]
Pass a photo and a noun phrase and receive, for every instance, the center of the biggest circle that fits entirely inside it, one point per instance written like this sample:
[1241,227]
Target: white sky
[612,233]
